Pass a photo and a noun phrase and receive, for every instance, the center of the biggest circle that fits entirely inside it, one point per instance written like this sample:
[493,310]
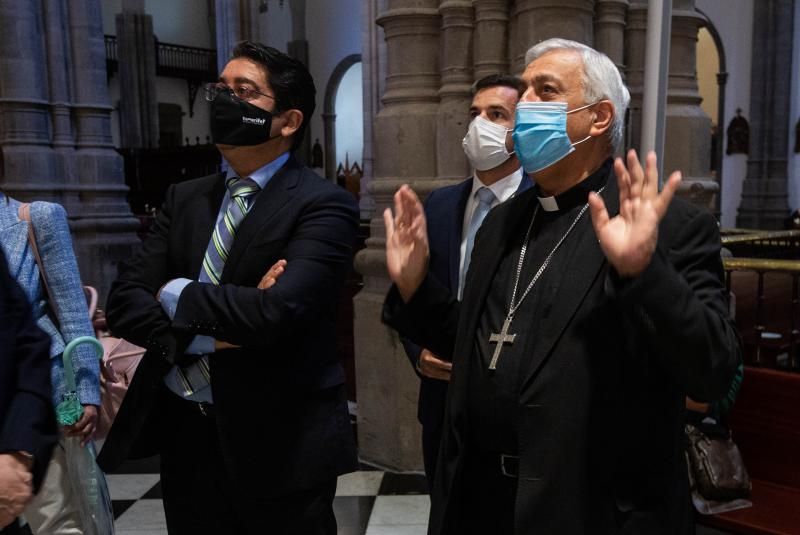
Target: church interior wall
[794,157]
[275,26]
[349,112]
[181,22]
[333,30]
[733,19]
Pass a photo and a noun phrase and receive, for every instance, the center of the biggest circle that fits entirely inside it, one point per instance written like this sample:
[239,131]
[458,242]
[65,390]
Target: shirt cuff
[171,293]
[201,345]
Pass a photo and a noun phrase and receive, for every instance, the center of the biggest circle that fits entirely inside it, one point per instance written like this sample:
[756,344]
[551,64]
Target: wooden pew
[765,423]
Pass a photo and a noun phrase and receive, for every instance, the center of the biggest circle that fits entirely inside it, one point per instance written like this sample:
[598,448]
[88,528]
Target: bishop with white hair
[594,303]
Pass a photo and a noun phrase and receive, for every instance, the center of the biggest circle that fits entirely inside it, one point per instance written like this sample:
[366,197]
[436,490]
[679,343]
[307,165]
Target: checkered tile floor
[368,502]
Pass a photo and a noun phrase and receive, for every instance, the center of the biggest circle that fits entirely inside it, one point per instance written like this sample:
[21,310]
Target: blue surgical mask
[540,134]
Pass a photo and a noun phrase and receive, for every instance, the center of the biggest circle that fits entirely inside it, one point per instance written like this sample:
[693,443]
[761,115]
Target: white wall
[349,117]
[733,20]
[182,22]
[275,26]
[175,91]
[333,30]
[707,69]
[794,158]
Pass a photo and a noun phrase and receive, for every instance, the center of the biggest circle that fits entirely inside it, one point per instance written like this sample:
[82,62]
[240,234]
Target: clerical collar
[578,194]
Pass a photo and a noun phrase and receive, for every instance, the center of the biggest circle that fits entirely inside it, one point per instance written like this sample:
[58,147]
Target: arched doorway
[352,95]
[712,76]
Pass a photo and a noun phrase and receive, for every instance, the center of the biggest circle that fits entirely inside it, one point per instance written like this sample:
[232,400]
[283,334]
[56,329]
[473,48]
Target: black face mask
[236,122]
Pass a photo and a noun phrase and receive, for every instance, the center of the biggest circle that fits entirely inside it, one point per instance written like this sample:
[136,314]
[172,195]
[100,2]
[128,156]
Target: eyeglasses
[242,92]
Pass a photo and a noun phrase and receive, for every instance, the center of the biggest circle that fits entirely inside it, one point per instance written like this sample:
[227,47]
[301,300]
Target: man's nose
[530,96]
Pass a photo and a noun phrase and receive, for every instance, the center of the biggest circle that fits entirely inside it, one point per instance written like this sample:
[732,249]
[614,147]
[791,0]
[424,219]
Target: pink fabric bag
[120,360]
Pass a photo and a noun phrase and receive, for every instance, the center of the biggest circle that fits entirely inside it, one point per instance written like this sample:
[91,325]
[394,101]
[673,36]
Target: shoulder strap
[25,215]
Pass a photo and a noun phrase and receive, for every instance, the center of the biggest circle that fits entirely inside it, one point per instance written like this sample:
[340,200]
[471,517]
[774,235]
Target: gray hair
[601,79]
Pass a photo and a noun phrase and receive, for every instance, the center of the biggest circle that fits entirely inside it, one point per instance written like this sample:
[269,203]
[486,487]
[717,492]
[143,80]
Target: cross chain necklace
[503,336]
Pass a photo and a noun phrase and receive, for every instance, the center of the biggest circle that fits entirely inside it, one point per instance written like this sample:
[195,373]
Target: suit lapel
[493,245]
[456,230]
[207,208]
[583,271]
[267,205]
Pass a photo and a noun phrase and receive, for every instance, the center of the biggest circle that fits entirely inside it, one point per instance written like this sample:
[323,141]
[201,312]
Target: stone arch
[722,80]
[329,112]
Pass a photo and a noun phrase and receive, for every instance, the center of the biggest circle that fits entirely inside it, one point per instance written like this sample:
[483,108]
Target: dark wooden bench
[765,423]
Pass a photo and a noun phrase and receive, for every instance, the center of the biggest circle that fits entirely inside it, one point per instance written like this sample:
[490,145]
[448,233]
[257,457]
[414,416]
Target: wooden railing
[762,244]
[769,317]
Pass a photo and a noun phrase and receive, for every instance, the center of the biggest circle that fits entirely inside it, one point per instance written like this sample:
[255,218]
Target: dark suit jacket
[27,418]
[444,211]
[601,404]
[279,400]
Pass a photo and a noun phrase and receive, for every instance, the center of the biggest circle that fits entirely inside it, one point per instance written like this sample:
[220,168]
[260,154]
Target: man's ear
[603,117]
[294,119]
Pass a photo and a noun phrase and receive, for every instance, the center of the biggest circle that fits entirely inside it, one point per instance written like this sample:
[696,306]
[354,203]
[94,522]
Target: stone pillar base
[388,431]
[763,204]
[701,192]
[100,245]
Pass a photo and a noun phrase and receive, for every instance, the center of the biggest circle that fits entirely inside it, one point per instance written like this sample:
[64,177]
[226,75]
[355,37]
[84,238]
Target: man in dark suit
[27,422]
[240,390]
[455,214]
[578,337]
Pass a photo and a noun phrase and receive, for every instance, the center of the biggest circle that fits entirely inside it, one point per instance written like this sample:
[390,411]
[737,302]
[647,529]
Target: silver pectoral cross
[502,338]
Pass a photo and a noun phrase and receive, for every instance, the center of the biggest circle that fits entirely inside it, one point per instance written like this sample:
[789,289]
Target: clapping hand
[406,242]
[629,239]
[16,486]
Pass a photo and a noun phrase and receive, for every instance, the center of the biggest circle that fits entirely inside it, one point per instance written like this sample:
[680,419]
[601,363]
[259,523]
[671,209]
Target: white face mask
[485,144]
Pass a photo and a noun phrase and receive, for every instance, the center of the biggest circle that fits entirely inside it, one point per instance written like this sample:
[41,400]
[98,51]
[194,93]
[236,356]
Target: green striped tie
[225,231]
[196,375]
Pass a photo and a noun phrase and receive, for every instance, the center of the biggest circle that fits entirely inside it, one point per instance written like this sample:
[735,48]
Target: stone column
[136,47]
[28,167]
[404,152]
[491,37]
[229,29]
[609,29]
[537,20]
[635,46]
[687,140]
[59,60]
[298,49]
[104,228]
[765,190]
[454,94]
[373,57]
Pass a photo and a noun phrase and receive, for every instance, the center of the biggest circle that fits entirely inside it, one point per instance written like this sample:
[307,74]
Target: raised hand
[629,239]
[406,242]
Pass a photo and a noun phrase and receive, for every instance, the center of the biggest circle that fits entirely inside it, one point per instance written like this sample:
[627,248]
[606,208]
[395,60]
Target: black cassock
[579,427]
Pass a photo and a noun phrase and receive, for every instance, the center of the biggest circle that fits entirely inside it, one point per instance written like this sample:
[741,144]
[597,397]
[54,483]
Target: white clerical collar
[503,189]
[549,204]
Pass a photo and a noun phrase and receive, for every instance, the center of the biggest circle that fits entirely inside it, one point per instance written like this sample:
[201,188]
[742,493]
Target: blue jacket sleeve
[62,276]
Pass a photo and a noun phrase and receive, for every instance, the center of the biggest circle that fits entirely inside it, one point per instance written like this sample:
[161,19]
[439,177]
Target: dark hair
[499,80]
[289,79]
